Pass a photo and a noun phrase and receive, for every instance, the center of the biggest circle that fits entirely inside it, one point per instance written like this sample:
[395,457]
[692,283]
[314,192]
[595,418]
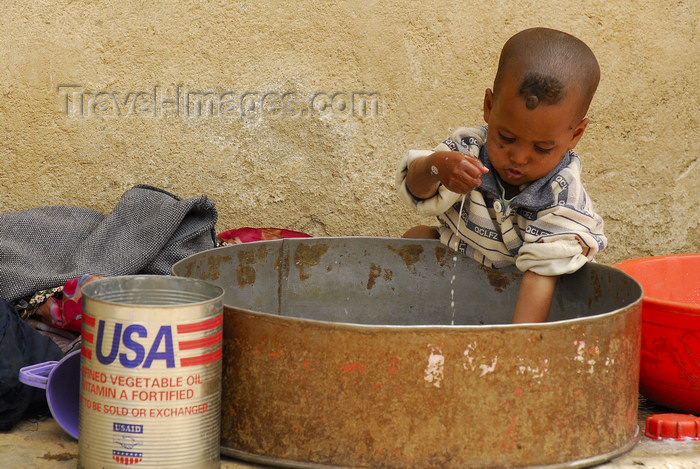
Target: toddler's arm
[431,198]
[534,298]
[458,172]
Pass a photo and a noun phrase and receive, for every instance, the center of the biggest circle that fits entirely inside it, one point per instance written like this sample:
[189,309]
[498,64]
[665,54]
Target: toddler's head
[548,65]
[536,111]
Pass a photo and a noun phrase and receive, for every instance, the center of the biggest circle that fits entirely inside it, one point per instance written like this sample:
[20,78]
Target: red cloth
[247,234]
[66,312]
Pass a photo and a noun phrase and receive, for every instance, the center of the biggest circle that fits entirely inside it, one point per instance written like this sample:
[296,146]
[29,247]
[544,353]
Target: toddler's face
[526,144]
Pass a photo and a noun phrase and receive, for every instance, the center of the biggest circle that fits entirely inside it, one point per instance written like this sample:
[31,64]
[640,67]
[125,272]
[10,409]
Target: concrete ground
[40,443]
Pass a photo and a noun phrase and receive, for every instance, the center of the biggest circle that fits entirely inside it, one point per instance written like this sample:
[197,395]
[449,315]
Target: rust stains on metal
[189,269]
[512,387]
[245,274]
[374,272]
[308,256]
[499,280]
[441,255]
[597,291]
[409,253]
[282,268]
[282,264]
[388,275]
[213,271]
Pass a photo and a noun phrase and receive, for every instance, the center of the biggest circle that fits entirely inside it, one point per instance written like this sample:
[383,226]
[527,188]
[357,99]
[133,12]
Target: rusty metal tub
[347,352]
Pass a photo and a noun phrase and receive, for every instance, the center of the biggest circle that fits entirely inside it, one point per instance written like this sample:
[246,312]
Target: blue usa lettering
[131,351]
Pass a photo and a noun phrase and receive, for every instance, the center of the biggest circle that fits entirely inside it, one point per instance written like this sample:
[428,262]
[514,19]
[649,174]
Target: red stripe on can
[202,359]
[201,326]
[88,337]
[201,343]
[86,352]
[89,320]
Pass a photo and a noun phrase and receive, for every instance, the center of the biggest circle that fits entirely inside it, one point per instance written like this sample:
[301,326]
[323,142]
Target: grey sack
[147,232]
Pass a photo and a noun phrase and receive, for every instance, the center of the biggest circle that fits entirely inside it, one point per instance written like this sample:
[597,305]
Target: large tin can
[150,392]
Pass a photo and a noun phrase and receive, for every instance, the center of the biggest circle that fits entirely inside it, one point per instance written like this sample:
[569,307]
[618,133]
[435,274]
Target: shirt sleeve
[564,236]
[561,240]
[464,139]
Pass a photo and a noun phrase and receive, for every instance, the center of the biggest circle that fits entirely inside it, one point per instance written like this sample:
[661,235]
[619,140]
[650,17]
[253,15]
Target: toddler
[516,182]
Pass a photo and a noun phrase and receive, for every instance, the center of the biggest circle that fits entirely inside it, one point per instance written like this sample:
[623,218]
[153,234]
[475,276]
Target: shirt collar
[534,196]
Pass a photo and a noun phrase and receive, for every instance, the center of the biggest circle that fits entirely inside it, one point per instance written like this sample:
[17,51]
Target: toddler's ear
[488,104]
[578,133]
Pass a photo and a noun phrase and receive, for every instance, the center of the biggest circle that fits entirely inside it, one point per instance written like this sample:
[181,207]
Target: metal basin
[347,352]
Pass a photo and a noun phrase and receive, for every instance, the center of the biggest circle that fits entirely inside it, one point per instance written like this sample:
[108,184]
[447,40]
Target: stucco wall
[96,97]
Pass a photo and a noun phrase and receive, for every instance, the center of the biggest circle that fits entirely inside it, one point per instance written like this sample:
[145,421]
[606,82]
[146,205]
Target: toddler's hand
[458,172]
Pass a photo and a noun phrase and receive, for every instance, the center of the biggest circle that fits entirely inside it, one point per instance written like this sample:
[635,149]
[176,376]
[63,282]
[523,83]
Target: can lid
[673,427]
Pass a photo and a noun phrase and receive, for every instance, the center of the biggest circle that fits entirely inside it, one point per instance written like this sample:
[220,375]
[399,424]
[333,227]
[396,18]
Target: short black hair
[547,64]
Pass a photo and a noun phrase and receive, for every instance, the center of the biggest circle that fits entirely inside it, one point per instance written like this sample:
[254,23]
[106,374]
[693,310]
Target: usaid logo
[135,345]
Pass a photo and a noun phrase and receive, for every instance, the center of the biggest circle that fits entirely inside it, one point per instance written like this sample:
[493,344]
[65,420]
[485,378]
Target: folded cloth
[248,234]
[147,232]
[20,345]
[65,311]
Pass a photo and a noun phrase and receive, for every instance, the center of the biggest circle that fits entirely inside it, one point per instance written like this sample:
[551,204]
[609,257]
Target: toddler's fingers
[472,168]
[464,184]
[477,162]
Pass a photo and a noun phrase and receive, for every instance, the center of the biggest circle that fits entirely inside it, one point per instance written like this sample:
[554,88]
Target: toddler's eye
[543,150]
[506,139]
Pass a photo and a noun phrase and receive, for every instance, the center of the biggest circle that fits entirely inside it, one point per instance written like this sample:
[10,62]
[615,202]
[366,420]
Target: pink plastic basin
[670,361]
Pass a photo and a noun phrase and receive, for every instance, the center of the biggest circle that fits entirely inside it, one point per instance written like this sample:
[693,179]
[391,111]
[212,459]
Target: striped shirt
[550,228]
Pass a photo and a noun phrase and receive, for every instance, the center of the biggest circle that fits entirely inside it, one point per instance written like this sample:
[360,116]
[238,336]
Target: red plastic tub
[670,361]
